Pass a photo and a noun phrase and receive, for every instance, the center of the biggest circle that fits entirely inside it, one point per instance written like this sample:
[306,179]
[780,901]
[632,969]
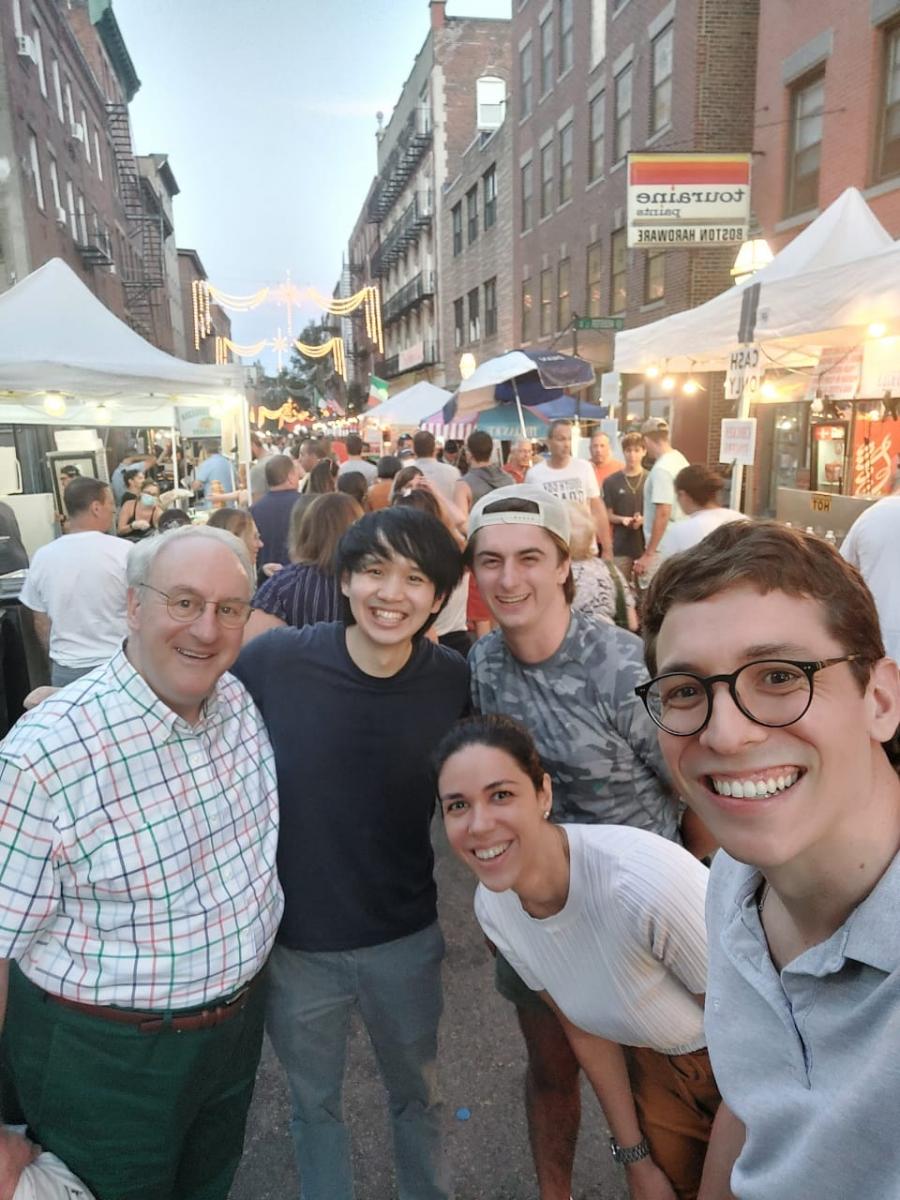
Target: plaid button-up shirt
[137,852]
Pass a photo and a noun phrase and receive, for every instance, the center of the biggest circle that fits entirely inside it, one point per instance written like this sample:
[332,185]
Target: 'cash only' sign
[692,200]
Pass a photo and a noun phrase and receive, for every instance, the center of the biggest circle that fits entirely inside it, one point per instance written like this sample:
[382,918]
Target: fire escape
[143,276]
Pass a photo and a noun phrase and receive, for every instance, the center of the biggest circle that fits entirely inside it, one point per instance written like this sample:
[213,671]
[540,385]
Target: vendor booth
[404,412]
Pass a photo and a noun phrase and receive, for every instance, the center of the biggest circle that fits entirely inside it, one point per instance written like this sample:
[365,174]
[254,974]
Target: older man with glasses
[774,699]
[138,899]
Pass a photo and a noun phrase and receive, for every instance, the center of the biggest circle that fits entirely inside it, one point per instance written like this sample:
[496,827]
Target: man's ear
[133,608]
[883,700]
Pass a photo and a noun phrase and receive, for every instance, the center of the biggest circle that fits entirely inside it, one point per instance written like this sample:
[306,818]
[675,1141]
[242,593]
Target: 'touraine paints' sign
[693,200]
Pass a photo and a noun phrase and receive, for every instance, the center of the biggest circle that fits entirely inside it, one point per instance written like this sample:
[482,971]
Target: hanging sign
[738,441]
[744,374]
[695,200]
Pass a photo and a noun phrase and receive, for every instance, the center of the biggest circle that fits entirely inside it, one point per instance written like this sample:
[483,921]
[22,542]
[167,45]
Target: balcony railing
[407,231]
[391,366]
[420,287]
[412,142]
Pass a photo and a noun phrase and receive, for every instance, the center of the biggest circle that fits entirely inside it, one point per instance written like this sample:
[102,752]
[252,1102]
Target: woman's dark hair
[700,483]
[233,520]
[404,478]
[388,466]
[410,534]
[353,483]
[130,474]
[414,498]
[172,518]
[315,531]
[498,732]
[321,478]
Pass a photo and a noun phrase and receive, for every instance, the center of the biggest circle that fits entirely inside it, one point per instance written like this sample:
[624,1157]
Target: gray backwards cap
[550,513]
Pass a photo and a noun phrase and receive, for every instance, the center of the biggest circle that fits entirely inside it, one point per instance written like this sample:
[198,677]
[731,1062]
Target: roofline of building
[188,253]
[104,20]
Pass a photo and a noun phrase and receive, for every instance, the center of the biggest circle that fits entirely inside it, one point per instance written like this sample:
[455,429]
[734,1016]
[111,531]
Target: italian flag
[378,391]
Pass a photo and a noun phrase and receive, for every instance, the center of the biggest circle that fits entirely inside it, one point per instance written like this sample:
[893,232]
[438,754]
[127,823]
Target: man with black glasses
[773,698]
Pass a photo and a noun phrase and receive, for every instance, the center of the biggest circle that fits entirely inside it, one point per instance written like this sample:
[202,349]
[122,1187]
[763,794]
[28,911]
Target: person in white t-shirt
[873,547]
[607,921]
[661,507]
[76,585]
[697,490]
[572,479]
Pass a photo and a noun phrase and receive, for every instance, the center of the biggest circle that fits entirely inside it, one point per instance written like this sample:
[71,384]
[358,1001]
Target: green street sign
[600,323]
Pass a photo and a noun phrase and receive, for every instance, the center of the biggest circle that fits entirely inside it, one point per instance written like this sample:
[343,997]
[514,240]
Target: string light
[877,329]
[651,373]
[691,387]
[248,351]
[54,404]
[667,383]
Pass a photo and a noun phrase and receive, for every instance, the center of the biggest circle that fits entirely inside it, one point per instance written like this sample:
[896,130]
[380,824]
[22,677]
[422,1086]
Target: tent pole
[525,436]
[737,469]
[174,456]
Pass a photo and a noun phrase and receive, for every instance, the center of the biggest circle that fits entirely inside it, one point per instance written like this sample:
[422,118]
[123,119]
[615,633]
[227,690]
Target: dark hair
[388,466]
[480,445]
[632,441]
[316,529]
[321,478]
[405,476]
[233,520]
[518,504]
[498,732]
[769,557]
[416,498]
[451,446]
[278,469]
[315,447]
[171,519]
[131,473]
[554,425]
[82,492]
[410,534]
[700,483]
[353,483]
[354,444]
[423,443]
[256,440]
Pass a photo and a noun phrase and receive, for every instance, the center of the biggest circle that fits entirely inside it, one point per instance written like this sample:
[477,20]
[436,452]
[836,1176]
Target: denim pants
[397,989]
[60,675]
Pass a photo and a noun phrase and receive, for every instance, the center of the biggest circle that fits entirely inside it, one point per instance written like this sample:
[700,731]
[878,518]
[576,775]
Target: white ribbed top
[623,956]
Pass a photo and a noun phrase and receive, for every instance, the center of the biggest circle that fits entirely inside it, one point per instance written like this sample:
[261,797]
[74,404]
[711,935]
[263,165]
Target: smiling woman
[607,923]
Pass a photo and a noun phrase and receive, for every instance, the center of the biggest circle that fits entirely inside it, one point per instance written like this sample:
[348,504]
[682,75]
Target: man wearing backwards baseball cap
[570,680]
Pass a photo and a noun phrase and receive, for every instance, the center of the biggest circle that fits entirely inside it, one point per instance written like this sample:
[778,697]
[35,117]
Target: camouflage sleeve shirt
[592,732]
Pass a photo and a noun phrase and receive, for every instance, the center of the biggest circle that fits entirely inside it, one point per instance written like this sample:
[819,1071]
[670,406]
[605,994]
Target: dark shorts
[512,987]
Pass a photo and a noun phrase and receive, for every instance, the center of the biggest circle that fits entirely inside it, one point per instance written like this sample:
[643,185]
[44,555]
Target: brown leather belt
[155,1022]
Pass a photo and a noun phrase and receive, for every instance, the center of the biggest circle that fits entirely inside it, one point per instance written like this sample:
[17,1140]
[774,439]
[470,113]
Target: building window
[654,275]
[566,36]
[490,307]
[618,291]
[547,55]
[564,293]
[459,323]
[565,163]
[527,190]
[57,88]
[82,221]
[889,140]
[39,55]
[547,179]
[474,321]
[526,80]
[70,206]
[489,187]
[593,293]
[623,114]
[598,32]
[70,106]
[87,135]
[527,306]
[807,103]
[98,158]
[37,182]
[54,185]
[472,214]
[546,302]
[456,218]
[597,131]
[661,86]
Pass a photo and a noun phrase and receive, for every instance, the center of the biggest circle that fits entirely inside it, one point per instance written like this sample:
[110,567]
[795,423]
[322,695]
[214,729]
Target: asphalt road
[482,1064]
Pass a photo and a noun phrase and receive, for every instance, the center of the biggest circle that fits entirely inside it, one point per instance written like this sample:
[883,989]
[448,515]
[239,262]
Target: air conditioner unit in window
[61,215]
[25,47]
[76,131]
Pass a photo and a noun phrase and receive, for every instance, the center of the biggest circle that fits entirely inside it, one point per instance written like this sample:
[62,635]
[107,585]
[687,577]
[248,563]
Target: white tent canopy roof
[410,406]
[55,335]
[825,287]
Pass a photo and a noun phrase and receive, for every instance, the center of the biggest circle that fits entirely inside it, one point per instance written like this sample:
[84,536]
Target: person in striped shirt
[138,898]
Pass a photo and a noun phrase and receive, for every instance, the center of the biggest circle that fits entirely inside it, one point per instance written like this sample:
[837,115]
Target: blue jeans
[397,989]
[60,675]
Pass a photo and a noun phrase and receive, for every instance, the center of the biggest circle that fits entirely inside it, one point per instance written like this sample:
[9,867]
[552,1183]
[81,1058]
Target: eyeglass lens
[188,606]
[771,693]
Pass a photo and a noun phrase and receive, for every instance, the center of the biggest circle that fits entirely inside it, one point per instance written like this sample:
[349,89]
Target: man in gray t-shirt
[570,681]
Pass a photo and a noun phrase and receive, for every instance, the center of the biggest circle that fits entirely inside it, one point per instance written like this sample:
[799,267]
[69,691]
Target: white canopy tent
[410,406]
[826,287]
[56,336]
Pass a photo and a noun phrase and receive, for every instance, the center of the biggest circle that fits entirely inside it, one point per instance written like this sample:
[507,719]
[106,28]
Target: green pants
[137,1116]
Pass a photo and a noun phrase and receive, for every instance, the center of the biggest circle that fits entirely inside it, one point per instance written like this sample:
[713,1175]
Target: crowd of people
[684,846]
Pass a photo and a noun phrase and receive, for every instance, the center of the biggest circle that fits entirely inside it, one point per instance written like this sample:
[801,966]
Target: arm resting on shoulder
[725,1144]
[261,622]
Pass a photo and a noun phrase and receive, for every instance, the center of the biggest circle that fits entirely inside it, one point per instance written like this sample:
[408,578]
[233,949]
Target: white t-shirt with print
[575,481]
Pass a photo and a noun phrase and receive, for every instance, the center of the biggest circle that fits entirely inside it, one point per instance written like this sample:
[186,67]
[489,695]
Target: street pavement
[482,1064]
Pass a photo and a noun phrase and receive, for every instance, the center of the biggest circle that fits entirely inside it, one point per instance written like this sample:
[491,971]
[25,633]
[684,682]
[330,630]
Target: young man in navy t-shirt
[354,710]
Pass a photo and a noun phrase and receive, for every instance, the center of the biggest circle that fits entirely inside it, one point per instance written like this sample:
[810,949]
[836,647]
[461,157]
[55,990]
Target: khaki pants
[676,1099]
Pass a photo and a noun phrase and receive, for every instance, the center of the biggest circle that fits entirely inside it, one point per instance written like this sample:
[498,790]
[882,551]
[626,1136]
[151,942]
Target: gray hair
[145,552]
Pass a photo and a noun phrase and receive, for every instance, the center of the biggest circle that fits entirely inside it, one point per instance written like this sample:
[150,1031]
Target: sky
[266,109]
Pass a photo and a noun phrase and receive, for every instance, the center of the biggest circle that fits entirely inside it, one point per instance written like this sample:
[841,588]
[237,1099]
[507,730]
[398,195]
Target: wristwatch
[626,1155]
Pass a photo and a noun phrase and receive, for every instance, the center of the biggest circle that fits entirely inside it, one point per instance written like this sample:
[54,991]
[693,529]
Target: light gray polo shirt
[808,1058]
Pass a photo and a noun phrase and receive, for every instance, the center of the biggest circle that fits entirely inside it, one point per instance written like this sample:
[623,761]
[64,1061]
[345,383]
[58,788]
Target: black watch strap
[626,1155]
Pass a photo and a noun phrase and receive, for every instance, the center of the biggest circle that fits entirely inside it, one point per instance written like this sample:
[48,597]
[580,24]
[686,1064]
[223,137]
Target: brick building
[591,81]
[158,189]
[199,347]
[420,148]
